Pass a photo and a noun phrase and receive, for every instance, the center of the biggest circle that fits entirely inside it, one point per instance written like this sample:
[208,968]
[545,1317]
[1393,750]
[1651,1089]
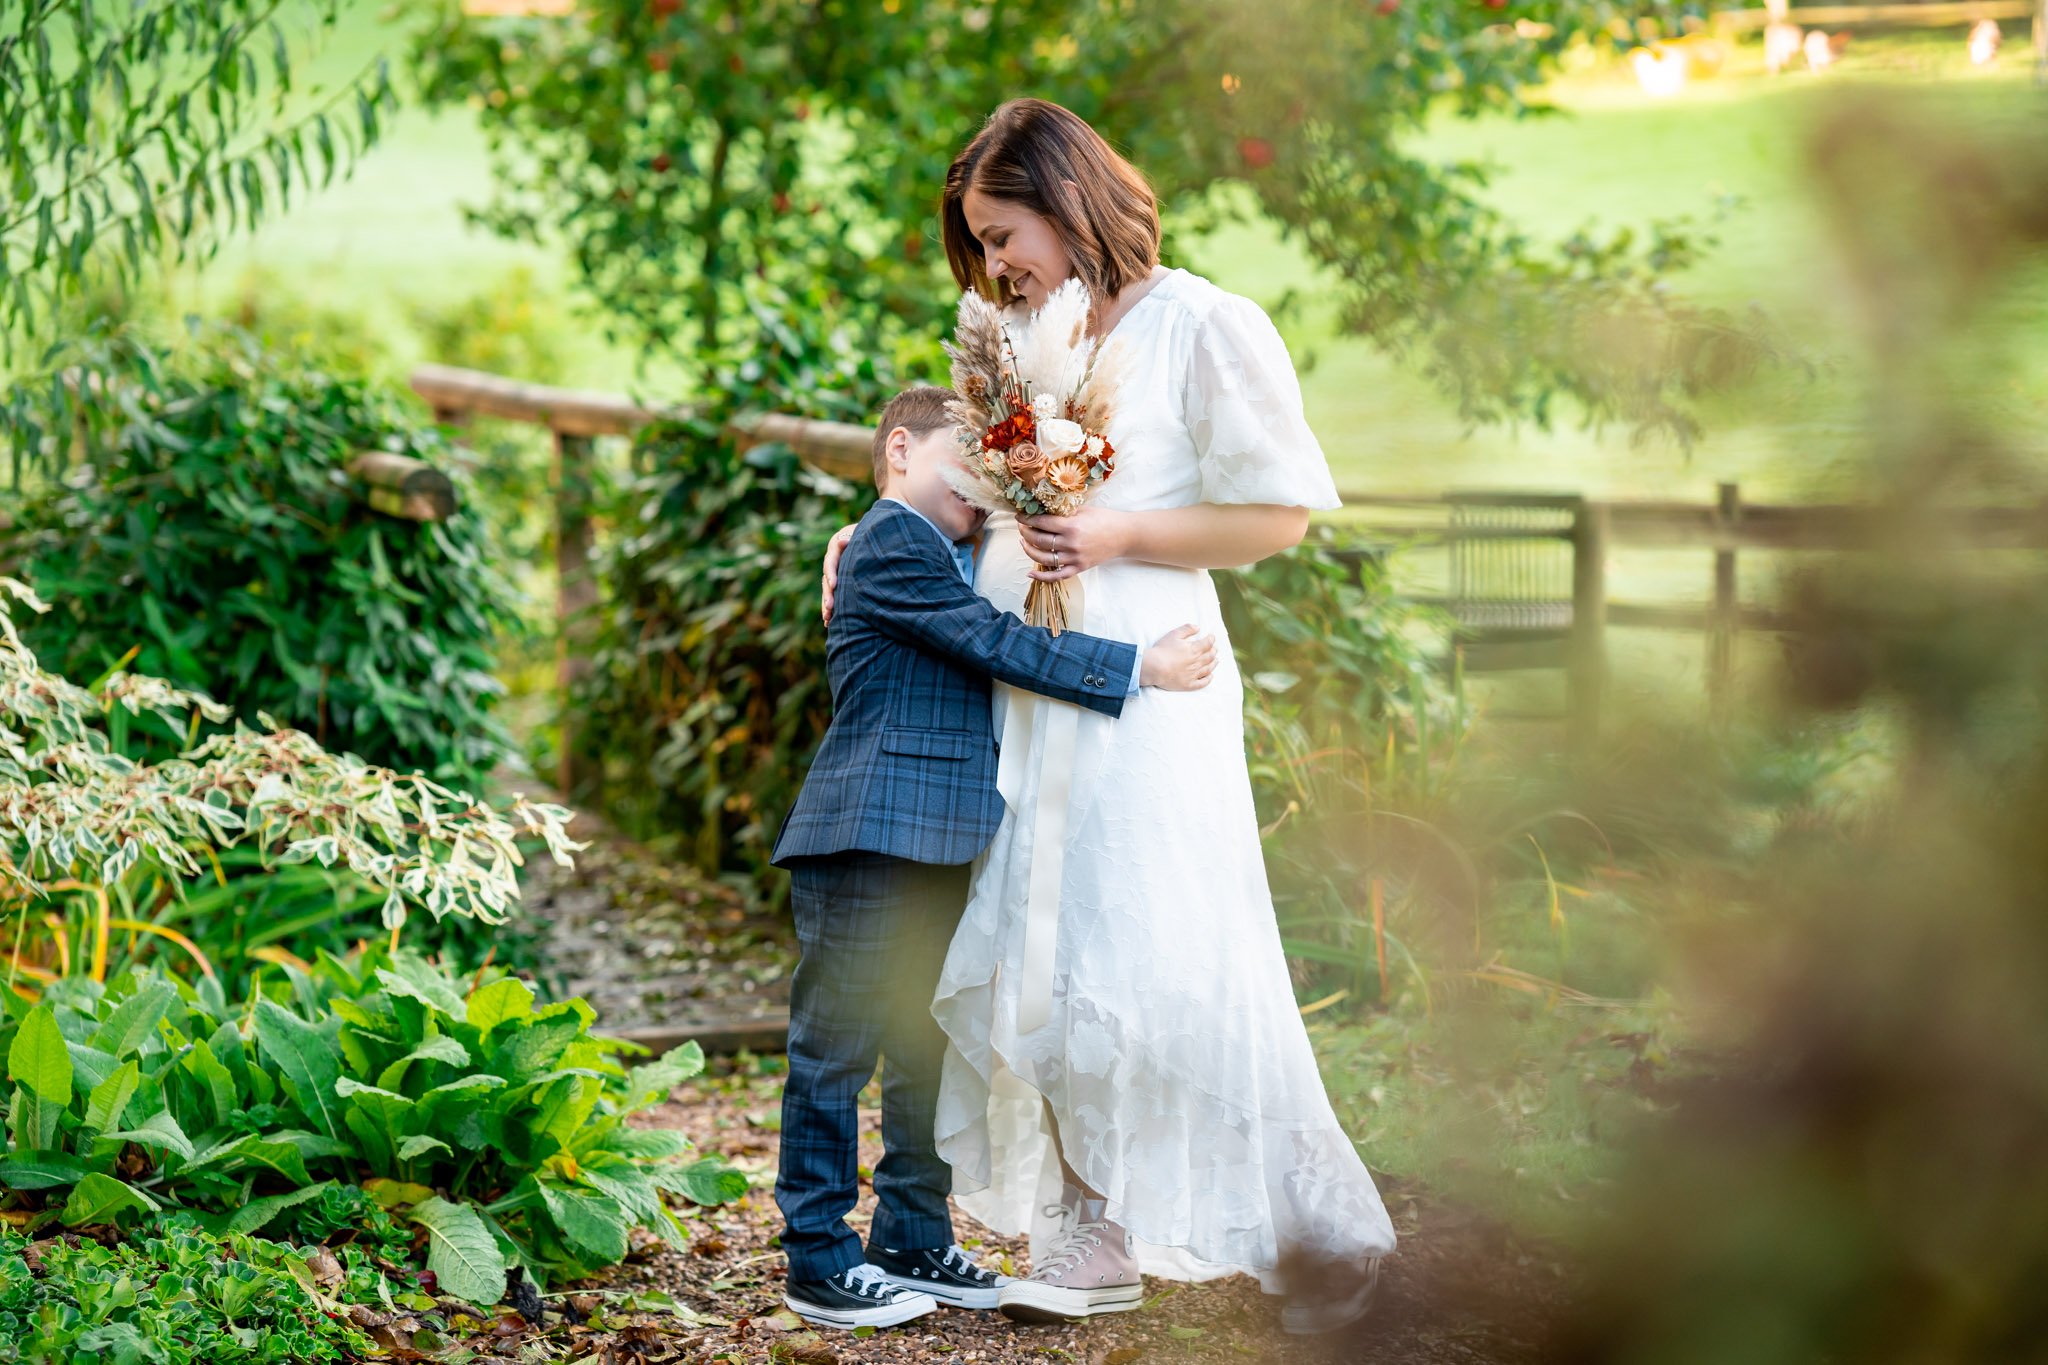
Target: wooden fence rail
[1576,638]
[576,417]
[1571,635]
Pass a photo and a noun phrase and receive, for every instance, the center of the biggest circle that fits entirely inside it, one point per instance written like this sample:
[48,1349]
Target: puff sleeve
[1242,405]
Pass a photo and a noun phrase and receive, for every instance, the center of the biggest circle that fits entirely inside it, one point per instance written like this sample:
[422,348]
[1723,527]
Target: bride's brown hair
[1048,159]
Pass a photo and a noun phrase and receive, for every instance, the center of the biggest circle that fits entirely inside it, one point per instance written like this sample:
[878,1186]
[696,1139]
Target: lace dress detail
[1178,1066]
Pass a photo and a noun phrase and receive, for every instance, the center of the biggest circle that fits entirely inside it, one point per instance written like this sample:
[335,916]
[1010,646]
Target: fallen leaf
[326,1269]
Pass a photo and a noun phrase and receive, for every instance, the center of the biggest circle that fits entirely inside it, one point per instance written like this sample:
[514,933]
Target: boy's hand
[1180,661]
[833,549]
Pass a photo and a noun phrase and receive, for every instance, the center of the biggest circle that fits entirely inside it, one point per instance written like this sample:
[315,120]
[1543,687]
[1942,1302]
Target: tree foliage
[144,127]
[695,157]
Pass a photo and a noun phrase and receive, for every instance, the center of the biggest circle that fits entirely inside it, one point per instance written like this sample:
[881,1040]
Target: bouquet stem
[1045,604]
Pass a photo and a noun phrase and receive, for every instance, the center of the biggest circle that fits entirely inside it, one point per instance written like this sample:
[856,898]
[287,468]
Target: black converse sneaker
[860,1296]
[948,1274]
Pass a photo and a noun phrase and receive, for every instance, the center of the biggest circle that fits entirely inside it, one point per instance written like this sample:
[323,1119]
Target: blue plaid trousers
[873,931]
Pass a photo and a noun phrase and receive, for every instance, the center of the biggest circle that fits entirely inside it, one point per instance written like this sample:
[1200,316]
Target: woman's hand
[833,549]
[1065,546]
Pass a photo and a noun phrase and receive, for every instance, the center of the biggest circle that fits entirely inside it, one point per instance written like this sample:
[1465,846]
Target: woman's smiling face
[1017,245]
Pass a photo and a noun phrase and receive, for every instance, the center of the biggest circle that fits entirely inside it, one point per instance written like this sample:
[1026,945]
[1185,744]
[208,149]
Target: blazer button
[1092,680]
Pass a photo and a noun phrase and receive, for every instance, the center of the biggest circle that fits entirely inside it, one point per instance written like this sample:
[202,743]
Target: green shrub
[496,1125]
[211,528]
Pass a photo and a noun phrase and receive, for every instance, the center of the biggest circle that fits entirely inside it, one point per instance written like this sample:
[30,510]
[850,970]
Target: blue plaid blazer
[908,766]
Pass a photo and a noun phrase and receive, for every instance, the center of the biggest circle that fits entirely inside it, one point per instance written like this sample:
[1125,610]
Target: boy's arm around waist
[915,595]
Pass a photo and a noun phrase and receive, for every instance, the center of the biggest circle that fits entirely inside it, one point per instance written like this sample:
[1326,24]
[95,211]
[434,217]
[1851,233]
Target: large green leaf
[647,1142]
[439,1048]
[159,1130]
[40,1170]
[134,1021]
[38,1058]
[410,976]
[419,1145]
[101,1199]
[32,1121]
[588,1219]
[709,1181]
[255,1215]
[635,1192]
[651,1084]
[504,999]
[110,1097]
[255,1150]
[201,1063]
[565,1106]
[534,1047]
[461,1251]
[308,1059]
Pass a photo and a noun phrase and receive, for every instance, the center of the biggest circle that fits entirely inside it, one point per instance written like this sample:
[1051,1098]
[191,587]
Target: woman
[1161,1108]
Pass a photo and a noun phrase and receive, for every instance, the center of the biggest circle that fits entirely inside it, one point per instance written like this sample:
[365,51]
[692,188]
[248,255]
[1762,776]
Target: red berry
[781,202]
[661,162]
[667,7]
[1256,151]
[737,66]
[1496,4]
[1386,6]
[657,61]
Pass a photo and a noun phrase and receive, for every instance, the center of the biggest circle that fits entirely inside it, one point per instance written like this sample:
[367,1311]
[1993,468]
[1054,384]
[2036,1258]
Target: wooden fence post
[1586,669]
[1721,631]
[575,592]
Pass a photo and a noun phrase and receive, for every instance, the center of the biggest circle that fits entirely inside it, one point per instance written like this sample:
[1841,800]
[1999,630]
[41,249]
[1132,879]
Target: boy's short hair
[919,410]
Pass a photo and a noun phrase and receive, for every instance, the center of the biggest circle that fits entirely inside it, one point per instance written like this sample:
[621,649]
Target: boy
[901,797]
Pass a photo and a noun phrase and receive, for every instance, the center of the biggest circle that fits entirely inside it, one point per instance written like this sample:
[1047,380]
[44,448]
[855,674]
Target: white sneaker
[1089,1268]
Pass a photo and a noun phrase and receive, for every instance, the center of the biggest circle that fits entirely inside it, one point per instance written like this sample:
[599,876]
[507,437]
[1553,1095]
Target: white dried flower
[1057,436]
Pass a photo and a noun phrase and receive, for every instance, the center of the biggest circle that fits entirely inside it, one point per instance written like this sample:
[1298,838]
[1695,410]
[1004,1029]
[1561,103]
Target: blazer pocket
[905,739]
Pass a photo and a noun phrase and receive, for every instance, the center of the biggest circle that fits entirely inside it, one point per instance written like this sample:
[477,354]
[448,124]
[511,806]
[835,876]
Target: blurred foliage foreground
[1854,1171]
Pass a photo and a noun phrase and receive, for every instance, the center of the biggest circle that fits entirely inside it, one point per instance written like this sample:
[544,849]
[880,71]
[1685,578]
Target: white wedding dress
[1175,1056]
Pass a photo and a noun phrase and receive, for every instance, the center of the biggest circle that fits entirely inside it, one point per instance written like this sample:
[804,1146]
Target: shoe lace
[1074,1243]
[868,1281]
[956,1258]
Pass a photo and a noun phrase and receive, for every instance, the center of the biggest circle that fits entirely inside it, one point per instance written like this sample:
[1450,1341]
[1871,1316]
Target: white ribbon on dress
[1028,713]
